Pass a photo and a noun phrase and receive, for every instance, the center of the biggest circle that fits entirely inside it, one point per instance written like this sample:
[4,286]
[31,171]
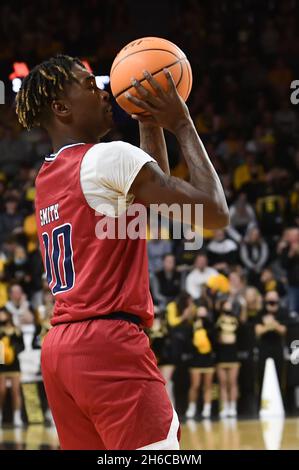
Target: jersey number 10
[60,260]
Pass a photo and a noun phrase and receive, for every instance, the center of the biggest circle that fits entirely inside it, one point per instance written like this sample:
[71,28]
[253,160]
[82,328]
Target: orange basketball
[152,54]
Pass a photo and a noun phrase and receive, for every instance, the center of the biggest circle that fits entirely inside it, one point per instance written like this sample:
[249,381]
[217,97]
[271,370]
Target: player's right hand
[164,108]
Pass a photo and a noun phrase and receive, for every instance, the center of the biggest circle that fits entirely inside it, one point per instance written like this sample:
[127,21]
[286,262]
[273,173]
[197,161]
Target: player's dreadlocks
[41,86]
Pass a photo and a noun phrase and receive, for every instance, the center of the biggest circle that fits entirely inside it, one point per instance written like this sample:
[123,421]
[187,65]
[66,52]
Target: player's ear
[61,108]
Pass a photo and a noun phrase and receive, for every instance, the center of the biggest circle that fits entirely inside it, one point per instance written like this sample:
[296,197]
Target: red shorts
[104,388]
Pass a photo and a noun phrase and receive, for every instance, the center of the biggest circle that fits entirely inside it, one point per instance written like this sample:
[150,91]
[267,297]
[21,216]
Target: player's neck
[62,143]
[59,141]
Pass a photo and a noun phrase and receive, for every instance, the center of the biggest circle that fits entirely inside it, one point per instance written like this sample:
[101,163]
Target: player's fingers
[153,82]
[140,103]
[171,84]
[143,92]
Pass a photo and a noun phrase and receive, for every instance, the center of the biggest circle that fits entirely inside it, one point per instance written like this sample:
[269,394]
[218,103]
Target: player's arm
[153,186]
[168,110]
[152,141]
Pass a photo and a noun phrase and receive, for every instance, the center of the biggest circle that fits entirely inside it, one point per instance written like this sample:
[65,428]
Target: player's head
[60,95]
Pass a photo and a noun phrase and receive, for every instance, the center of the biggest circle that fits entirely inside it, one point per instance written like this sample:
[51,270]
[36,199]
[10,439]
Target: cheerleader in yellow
[201,363]
[227,358]
[11,344]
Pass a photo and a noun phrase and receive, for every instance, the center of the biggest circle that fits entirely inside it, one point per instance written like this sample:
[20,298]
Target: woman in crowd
[202,362]
[237,288]
[246,345]
[11,344]
[179,315]
[254,302]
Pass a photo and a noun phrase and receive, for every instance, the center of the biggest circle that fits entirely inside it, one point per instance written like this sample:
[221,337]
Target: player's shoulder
[115,151]
[116,146]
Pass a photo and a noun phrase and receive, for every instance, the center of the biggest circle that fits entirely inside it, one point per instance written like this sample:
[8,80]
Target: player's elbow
[216,219]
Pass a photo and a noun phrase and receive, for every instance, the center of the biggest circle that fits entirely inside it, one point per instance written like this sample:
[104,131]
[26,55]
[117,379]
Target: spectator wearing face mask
[270,331]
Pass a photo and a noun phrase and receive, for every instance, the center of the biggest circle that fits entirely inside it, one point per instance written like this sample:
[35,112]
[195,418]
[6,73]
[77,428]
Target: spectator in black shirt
[166,283]
[270,331]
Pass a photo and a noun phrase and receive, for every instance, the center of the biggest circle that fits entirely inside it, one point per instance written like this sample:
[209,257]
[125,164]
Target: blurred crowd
[221,311]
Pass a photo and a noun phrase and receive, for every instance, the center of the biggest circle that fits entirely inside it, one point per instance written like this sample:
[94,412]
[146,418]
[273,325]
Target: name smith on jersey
[49,214]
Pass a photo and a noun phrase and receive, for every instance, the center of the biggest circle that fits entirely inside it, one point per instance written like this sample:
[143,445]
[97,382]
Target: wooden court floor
[219,435]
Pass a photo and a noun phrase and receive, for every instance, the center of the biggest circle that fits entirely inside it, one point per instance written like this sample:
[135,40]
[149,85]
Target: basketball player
[101,377]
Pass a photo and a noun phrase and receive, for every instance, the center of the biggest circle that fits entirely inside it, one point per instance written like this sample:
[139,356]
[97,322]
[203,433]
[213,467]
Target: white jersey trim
[52,156]
[171,442]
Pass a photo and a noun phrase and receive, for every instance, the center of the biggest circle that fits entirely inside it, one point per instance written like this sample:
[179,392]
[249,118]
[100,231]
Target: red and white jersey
[90,276]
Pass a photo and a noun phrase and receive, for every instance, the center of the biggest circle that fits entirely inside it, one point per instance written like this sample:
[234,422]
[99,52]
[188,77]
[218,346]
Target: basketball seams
[189,78]
[143,50]
[180,79]
[179,61]
[186,70]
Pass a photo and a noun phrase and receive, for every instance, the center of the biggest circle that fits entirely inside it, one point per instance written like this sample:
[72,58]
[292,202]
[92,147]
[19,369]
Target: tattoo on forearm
[201,169]
[174,183]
